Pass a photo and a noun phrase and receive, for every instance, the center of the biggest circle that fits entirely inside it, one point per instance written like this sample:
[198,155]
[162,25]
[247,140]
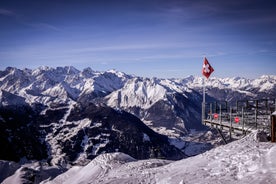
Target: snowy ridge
[243,161]
[264,83]
[45,84]
[60,85]
[233,89]
[144,92]
[137,92]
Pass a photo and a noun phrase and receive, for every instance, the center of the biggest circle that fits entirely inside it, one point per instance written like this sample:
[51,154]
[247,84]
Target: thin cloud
[148,47]
[120,47]
[22,20]
[40,25]
[8,13]
[224,12]
[44,26]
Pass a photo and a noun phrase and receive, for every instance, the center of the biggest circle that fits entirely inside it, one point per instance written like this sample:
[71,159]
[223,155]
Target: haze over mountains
[64,117]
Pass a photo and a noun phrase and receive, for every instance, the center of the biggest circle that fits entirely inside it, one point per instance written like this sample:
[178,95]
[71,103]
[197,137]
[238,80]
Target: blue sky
[160,38]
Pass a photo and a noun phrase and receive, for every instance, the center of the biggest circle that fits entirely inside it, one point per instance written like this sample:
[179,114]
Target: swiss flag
[207,68]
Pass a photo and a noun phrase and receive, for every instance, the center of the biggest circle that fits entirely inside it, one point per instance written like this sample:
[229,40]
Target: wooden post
[273,127]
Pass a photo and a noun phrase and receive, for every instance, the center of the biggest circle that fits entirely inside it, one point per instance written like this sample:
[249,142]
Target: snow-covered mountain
[169,106]
[45,84]
[60,85]
[236,88]
[63,85]
[161,104]
[175,104]
[65,136]
[68,117]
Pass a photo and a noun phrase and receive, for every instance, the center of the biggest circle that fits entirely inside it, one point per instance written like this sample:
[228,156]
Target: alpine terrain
[62,125]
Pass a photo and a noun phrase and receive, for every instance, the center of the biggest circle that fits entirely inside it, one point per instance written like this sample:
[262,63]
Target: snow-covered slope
[143,92]
[162,104]
[243,161]
[33,172]
[76,134]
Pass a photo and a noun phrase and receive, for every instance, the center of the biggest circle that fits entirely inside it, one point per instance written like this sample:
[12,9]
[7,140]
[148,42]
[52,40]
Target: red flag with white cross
[207,68]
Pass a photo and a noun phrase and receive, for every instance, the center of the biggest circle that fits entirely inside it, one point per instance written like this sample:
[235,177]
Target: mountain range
[63,116]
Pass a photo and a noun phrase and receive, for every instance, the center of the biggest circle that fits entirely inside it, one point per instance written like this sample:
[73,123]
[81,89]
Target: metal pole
[243,122]
[204,88]
[220,118]
[230,123]
[203,113]
[203,103]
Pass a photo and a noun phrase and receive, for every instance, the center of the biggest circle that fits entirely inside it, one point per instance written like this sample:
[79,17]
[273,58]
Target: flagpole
[203,103]
[203,99]
[206,71]
[204,89]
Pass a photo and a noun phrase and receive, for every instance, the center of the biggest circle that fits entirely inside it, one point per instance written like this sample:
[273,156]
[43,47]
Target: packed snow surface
[243,161]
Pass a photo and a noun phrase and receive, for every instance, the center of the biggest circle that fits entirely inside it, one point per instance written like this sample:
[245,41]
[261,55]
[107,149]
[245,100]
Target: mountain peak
[112,71]
[71,70]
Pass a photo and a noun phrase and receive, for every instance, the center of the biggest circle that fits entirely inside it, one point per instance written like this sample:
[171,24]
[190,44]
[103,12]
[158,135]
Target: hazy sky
[162,38]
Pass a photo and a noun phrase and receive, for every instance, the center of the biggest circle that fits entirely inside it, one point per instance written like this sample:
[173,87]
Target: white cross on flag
[207,68]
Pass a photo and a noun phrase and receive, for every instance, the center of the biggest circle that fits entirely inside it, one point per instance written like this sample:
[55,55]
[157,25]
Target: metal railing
[245,116]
